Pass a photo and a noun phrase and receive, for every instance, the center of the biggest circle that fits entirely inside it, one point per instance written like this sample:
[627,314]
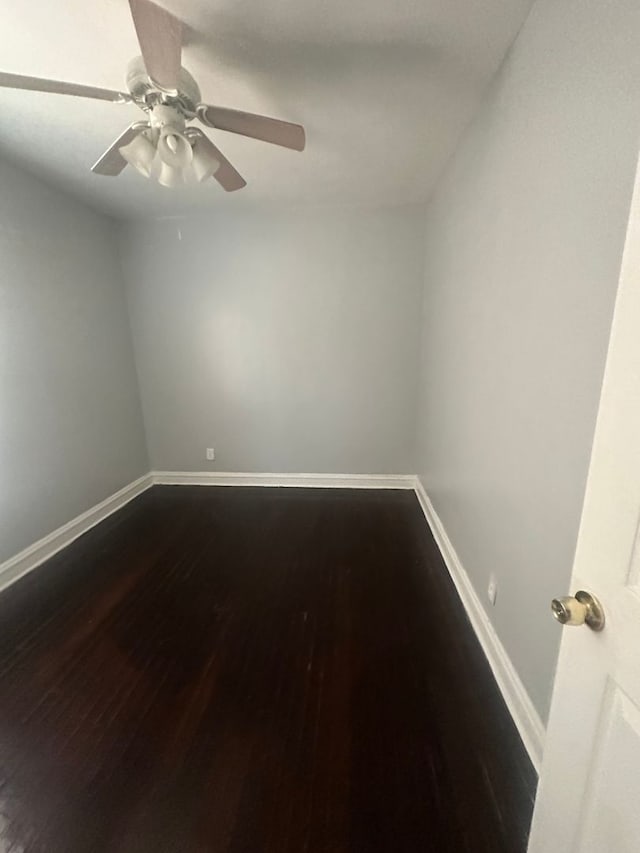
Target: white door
[589,795]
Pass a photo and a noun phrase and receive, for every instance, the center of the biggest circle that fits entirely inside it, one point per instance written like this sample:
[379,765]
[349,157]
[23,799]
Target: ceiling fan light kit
[164,148]
[163,151]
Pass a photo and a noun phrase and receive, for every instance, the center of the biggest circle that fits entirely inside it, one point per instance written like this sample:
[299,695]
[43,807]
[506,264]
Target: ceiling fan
[162,146]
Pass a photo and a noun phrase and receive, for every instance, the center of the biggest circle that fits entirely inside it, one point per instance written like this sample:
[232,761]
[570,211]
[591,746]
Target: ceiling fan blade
[160,38]
[112,162]
[227,175]
[258,127]
[58,87]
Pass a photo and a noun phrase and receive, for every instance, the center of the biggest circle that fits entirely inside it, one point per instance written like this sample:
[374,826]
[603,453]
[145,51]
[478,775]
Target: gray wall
[524,242]
[70,422]
[289,341]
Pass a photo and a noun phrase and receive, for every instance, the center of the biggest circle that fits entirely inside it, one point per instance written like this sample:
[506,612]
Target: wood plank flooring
[240,670]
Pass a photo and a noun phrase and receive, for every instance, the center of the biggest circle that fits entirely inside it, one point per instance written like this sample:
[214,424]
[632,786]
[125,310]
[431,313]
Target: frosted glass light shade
[204,162]
[174,148]
[170,176]
[139,153]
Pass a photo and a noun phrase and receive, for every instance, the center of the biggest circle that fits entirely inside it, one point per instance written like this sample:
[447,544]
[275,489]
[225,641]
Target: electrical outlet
[492,590]
[211,454]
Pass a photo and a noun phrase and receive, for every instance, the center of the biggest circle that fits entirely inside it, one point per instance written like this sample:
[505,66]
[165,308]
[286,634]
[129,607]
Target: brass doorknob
[581,609]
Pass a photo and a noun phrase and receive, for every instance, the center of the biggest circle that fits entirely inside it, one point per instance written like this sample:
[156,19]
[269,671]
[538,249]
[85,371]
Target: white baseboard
[517,699]
[15,567]
[316,481]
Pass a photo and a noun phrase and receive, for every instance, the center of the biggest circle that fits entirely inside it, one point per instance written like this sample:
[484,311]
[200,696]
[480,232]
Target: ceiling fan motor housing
[167,115]
[147,94]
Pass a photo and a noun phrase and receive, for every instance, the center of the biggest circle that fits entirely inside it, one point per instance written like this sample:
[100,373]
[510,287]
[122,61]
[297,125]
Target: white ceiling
[383,88]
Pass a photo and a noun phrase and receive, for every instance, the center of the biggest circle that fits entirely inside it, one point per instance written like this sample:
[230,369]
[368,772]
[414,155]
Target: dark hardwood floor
[240,670]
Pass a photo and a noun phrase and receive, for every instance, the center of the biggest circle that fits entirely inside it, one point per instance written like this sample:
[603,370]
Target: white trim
[316,481]
[20,564]
[515,695]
